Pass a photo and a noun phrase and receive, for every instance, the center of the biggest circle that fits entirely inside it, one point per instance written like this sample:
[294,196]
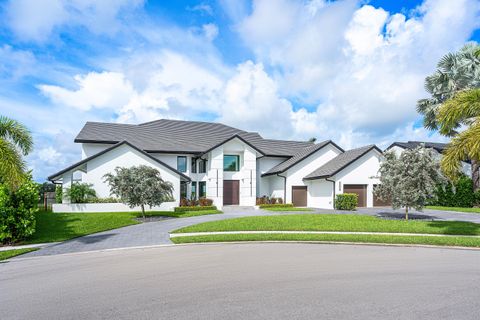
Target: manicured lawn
[286,209]
[15,252]
[335,222]
[52,227]
[439,241]
[475,210]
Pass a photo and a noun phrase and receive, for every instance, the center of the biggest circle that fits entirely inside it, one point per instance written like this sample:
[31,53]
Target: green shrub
[17,211]
[80,192]
[276,205]
[459,194]
[205,202]
[103,200]
[58,194]
[346,201]
[194,208]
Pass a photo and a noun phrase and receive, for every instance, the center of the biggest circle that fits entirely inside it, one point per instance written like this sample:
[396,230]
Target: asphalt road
[245,281]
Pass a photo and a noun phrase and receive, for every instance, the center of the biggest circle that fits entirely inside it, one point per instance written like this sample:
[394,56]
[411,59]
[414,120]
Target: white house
[438,149]
[225,164]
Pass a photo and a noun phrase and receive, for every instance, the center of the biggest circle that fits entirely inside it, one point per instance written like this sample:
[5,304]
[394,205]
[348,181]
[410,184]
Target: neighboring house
[438,149]
[225,164]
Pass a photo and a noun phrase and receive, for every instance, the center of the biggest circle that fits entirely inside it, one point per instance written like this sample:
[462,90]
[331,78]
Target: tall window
[202,166]
[194,190]
[202,189]
[183,190]
[182,163]
[194,165]
[231,162]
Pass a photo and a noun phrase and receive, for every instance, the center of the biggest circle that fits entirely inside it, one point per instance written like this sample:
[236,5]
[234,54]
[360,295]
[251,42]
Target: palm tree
[463,108]
[455,72]
[15,142]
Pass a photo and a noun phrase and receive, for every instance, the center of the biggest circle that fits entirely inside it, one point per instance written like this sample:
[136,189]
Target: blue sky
[345,70]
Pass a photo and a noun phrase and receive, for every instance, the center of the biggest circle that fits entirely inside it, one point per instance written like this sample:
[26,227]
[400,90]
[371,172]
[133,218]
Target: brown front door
[360,190]
[231,192]
[299,196]
[377,202]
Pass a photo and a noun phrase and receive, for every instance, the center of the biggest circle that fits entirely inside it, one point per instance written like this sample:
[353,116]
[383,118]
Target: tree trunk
[143,211]
[406,213]
[476,174]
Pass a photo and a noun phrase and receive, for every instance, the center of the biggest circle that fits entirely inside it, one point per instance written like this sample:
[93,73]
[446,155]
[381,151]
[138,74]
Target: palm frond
[464,107]
[16,132]
[12,166]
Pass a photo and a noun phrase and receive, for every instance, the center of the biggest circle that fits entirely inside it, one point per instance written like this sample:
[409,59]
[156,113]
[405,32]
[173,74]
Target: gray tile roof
[299,156]
[340,162]
[182,136]
[440,147]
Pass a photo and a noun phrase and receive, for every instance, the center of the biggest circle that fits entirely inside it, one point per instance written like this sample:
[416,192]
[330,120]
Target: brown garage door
[360,190]
[377,202]
[231,192]
[299,196]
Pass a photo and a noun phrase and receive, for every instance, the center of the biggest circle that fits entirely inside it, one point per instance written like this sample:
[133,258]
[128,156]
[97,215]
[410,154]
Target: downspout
[284,188]
[334,188]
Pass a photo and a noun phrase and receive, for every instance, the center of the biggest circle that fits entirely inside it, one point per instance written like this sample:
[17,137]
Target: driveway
[245,281]
[157,233]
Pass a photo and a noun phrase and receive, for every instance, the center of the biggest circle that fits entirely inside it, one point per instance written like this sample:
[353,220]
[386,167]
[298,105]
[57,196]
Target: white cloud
[33,20]
[49,155]
[203,8]
[210,30]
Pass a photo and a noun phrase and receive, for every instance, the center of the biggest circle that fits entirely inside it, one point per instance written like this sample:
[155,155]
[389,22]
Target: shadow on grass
[51,227]
[456,227]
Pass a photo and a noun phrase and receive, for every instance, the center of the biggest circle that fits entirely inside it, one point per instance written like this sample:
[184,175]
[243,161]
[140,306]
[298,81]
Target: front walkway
[157,233]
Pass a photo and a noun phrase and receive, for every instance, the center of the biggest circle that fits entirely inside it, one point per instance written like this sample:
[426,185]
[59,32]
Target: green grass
[52,227]
[15,252]
[335,222]
[474,210]
[286,209]
[439,241]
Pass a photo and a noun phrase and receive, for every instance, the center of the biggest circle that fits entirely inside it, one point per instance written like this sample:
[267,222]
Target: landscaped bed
[339,223]
[278,207]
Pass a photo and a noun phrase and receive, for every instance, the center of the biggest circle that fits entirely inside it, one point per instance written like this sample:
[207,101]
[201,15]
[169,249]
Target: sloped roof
[299,156]
[177,136]
[340,162]
[78,164]
[440,147]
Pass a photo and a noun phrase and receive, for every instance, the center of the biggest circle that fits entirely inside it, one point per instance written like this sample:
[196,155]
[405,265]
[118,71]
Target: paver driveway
[157,233]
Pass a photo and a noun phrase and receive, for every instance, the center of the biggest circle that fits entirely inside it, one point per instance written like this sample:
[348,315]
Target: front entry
[299,196]
[360,190]
[231,192]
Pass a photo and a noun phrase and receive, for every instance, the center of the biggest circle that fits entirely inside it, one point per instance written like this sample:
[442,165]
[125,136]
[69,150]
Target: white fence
[107,207]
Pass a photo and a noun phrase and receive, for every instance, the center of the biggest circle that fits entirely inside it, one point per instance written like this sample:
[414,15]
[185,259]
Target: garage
[231,192]
[360,190]
[299,196]
[377,202]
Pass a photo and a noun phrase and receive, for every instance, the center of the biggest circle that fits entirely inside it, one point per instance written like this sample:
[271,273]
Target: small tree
[410,180]
[139,186]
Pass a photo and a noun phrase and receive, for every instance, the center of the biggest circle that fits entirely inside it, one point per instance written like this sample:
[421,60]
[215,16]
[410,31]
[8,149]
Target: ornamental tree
[139,186]
[409,180]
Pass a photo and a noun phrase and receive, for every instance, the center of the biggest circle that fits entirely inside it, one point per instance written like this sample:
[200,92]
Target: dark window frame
[237,167]
[202,166]
[200,193]
[194,165]
[193,190]
[183,190]
[178,163]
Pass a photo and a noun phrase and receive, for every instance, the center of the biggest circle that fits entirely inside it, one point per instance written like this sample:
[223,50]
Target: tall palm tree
[464,107]
[15,142]
[455,72]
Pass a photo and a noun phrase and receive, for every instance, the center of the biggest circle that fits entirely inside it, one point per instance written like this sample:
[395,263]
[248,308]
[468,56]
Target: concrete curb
[28,246]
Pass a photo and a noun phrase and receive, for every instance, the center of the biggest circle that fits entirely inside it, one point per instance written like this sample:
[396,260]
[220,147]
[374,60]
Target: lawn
[439,241]
[286,209]
[15,252]
[52,227]
[335,222]
[474,210]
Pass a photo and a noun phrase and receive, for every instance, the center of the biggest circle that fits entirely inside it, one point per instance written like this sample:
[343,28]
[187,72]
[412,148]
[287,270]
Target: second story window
[194,165]
[202,166]
[231,162]
[182,163]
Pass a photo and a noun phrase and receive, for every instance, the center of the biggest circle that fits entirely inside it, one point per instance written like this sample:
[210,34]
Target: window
[194,165]
[194,191]
[182,164]
[202,166]
[202,189]
[183,190]
[231,162]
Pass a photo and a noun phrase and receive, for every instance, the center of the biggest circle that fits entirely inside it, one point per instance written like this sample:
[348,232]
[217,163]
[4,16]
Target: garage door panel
[360,190]
[299,196]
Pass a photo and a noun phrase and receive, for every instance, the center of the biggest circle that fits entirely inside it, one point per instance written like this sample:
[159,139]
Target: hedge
[196,208]
[346,201]
[276,205]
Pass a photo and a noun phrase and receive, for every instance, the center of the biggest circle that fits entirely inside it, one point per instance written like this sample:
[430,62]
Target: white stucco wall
[296,174]
[264,184]
[108,207]
[320,194]
[124,156]
[89,149]
[363,171]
